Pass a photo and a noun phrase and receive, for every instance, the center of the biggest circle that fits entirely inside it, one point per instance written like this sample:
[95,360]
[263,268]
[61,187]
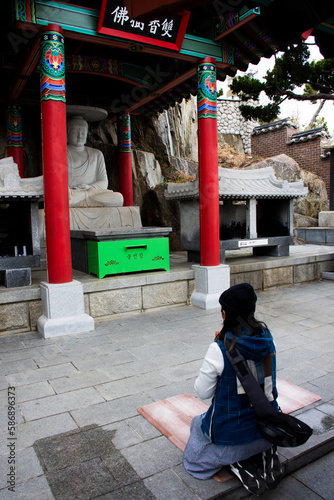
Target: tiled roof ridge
[242,184]
[269,127]
[307,135]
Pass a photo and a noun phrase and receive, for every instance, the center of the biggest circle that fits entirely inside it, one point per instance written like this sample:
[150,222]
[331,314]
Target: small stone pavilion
[127,58]
[255,211]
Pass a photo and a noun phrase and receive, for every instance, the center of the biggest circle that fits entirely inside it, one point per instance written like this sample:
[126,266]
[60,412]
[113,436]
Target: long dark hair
[240,323]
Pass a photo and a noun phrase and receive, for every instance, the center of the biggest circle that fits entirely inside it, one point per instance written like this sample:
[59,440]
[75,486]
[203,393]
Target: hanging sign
[167,32]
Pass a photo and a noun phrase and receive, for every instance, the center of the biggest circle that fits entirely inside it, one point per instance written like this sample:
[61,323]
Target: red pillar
[208,163]
[54,155]
[14,136]
[125,159]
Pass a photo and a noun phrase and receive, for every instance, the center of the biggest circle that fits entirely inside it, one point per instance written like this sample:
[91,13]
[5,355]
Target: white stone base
[326,219]
[63,310]
[210,282]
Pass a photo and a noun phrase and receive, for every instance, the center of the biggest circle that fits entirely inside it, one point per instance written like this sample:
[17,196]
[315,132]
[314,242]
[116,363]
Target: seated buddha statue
[87,174]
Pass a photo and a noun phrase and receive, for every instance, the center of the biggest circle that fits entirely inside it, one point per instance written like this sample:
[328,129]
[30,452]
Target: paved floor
[78,434]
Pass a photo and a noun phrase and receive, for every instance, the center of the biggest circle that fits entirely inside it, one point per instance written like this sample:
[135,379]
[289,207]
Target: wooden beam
[186,55]
[248,52]
[235,27]
[165,88]
[257,39]
[28,68]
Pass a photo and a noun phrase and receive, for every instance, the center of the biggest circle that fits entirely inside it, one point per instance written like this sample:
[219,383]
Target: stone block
[62,299]
[63,310]
[86,304]
[60,403]
[17,277]
[191,288]
[315,235]
[210,282]
[304,272]
[165,294]
[330,236]
[14,316]
[76,481]
[326,219]
[324,267]
[28,467]
[278,276]
[254,278]
[115,301]
[35,311]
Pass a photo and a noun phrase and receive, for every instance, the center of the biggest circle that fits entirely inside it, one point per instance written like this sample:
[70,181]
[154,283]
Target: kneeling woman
[227,433]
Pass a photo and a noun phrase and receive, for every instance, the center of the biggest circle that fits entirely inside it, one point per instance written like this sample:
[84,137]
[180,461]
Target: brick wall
[306,153]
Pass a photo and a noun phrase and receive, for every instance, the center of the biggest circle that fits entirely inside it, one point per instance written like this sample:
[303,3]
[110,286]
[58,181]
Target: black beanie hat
[239,299]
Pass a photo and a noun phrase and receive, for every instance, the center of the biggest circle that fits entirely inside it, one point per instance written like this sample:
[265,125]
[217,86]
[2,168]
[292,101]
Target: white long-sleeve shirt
[212,368]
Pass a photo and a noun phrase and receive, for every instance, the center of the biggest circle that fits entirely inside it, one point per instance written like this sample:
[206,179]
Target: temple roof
[122,75]
[241,185]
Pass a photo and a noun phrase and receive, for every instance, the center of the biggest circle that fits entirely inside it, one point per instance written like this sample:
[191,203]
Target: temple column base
[210,282]
[63,310]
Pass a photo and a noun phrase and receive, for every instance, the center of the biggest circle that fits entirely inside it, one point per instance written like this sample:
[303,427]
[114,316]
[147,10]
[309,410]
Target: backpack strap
[252,388]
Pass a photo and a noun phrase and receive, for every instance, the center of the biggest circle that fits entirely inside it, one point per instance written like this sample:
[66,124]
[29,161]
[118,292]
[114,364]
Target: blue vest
[231,420]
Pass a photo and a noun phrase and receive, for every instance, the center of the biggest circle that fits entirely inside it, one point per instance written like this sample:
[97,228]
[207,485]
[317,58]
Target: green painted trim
[85,21]
[201,39]
[249,12]
[68,17]
[201,47]
[72,8]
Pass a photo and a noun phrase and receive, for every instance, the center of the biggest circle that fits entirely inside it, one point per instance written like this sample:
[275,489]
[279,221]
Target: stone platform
[139,292]
[82,393]
[321,235]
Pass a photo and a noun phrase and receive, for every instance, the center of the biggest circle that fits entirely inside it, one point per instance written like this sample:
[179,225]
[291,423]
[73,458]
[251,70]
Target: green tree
[292,70]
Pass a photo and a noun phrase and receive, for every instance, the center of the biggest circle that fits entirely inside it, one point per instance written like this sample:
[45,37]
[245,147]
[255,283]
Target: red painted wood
[136,37]
[208,189]
[56,203]
[125,177]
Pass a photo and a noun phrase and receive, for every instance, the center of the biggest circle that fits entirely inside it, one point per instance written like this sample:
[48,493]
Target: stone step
[320,443]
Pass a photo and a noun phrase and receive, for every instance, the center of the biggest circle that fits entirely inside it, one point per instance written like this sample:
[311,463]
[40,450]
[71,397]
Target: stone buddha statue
[87,175]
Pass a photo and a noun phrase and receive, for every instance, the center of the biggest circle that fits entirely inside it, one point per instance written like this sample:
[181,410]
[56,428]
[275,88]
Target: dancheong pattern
[14,127]
[94,65]
[124,134]
[25,10]
[206,91]
[52,78]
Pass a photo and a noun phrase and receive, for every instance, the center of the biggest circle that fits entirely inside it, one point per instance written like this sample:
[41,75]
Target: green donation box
[127,256]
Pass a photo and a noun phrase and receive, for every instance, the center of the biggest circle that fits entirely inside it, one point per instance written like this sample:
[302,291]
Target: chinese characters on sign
[166,32]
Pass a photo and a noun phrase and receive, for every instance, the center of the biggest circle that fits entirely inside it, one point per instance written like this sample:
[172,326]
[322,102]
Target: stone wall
[230,121]
[21,308]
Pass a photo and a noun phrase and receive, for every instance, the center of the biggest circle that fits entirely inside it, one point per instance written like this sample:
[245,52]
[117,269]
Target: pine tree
[292,70]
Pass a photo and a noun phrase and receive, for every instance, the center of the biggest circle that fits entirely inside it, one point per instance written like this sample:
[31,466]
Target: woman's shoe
[250,478]
[272,469]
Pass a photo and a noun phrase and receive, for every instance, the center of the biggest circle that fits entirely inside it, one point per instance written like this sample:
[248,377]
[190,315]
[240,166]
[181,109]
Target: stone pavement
[78,434]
